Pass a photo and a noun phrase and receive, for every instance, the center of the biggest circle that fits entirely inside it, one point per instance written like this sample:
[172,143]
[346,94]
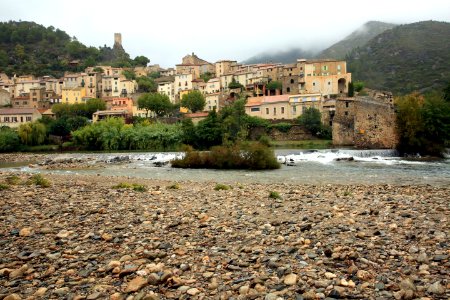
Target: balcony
[107,90]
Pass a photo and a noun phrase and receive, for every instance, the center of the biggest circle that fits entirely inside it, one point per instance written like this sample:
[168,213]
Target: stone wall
[5,97]
[296,133]
[366,122]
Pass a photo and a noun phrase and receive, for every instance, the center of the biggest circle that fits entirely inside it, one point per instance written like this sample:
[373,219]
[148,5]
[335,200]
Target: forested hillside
[412,57]
[30,48]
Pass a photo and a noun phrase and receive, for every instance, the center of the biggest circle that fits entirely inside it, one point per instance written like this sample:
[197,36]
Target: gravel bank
[82,239]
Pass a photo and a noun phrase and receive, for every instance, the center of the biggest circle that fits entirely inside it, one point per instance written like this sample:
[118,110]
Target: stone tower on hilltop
[117,39]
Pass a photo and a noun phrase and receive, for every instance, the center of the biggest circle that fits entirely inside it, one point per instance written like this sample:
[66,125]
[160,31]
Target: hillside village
[274,91]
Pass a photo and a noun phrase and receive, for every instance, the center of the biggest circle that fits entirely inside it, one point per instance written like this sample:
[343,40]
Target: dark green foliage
[155,102]
[359,86]
[423,124]
[221,187]
[146,84]
[194,101]
[79,109]
[64,125]
[209,132]
[30,48]
[141,61]
[9,140]
[154,75]
[253,156]
[412,57]
[235,85]
[351,89]
[253,121]
[129,74]
[135,187]
[311,119]
[274,85]
[206,76]
[283,127]
[446,93]
[3,186]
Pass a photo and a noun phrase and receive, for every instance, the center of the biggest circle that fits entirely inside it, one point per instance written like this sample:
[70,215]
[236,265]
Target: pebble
[91,241]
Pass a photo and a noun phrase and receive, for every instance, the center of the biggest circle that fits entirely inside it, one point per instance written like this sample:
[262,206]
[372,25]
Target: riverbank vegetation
[424,123]
[253,156]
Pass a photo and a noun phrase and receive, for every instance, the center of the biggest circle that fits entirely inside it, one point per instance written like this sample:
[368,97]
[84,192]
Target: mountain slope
[406,58]
[285,57]
[30,48]
[356,39]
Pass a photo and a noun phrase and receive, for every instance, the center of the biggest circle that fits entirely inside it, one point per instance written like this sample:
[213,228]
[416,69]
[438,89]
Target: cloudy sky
[166,30]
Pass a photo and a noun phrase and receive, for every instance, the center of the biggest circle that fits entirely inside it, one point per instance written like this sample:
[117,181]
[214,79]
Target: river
[306,167]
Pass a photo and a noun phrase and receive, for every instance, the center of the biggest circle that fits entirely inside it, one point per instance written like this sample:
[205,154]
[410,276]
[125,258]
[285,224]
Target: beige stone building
[14,117]
[213,86]
[166,86]
[328,77]
[212,102]
[300,102]
[73,95]
[23,87]
[224,66]
[5,97]
[290,79]
[268,107]
[183,82]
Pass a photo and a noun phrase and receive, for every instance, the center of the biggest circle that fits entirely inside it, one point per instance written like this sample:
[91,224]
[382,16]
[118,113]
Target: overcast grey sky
[166,30]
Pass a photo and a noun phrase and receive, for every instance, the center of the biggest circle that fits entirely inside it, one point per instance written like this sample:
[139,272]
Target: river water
[303,167]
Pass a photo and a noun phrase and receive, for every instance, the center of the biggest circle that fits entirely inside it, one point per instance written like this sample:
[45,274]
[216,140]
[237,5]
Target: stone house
[290,79]
[268,107]
[166,86]
[73,95]
[14,117]
[366,121]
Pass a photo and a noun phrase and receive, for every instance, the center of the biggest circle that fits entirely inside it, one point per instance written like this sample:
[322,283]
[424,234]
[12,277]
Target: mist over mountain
[285,57]
[357,38]
[405,58]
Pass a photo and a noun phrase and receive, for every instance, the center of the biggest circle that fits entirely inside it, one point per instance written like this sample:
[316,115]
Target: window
[294,110]
[325,68]
[6,119]
[288,89]
[21,119]
[329,83]
[346,113]
[292,80]
[254,109]
[314,84]
[267,111]
[339,67]
[274,111]
[282,110]
[346,103]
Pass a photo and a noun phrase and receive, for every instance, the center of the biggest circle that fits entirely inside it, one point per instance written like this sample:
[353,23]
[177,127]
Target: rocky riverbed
[80,238]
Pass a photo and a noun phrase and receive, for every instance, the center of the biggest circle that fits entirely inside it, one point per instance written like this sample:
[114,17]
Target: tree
[194,101]
[93,105]
[146,84]
[446,93]
[235,85]
[9,140]
[158,103]
[311,119]
[99,70]
[274,85]
[206,76]
[209,131]
[141,60]
[359,86]
[351,89]
[32,133]
[423,124]
[129,74]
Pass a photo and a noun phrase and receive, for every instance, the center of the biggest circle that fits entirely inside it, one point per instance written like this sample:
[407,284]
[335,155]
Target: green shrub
[3,186]
[174,186]
[122,185]
[39,180]
[253,156]
[283,127]
[13,180]
[9,140]
[265,140]
[221,187]
[274,195]
[139,188]
[135,187]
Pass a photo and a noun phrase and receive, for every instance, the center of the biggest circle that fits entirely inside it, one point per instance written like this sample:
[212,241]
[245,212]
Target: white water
[309,166]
